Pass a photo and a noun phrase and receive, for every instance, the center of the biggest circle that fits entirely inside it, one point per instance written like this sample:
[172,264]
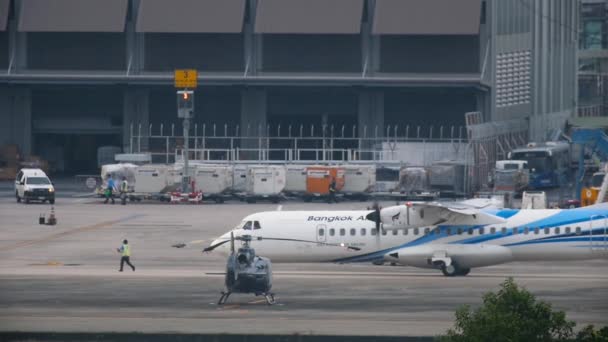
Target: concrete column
[16,118]
[371,113]
[135,112]
[253,121]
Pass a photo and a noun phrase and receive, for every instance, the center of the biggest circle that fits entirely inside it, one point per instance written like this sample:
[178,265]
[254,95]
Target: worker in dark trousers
[110,189]
[125,251]
[124,188]
[332,191]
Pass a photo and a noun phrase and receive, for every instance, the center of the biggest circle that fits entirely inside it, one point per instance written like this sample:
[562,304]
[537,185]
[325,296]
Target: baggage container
[319,177]
[158,178]
[265,180]
[239,178]
[212,179]
[387,179]
[118,171]
[295,178]
[359,179]
[448,177]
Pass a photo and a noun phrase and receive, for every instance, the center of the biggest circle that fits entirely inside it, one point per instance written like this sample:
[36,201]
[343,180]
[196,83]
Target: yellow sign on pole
[185,78]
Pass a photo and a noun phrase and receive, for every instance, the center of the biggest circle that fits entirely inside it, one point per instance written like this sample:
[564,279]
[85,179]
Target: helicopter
[247,272]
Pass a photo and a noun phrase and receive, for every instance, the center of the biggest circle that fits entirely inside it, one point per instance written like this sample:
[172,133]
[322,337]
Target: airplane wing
[455,215]
[421,214]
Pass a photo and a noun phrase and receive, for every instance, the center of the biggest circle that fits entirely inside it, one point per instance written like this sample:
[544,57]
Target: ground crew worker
[124,188]
[110,189]
[125,251]
[332,191]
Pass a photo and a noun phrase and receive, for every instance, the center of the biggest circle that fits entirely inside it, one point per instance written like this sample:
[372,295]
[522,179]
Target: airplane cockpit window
[256,225]
[246,225]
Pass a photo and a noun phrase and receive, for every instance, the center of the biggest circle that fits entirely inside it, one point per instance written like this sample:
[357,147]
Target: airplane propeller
[260,238]
[375,216]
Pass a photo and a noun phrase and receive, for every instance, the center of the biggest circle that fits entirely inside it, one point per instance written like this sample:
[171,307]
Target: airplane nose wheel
[454,270]
[270,298]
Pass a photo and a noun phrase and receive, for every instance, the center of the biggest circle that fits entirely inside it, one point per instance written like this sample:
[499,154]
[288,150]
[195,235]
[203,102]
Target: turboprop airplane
[451,238]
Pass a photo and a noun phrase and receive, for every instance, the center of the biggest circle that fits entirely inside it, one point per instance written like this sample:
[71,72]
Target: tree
[512,314]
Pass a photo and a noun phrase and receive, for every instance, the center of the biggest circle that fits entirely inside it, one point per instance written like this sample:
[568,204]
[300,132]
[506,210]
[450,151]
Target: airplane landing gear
[223,298]
[453,271]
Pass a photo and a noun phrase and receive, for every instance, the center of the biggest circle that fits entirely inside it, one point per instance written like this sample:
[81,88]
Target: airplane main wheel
[449,271]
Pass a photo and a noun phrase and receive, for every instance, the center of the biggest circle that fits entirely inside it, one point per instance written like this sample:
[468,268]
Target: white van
[34,185]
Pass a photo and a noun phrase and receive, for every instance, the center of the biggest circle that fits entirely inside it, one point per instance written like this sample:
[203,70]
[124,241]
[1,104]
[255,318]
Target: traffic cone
[52,219]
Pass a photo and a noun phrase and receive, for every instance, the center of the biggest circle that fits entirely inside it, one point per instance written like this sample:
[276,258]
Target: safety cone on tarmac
[52,219]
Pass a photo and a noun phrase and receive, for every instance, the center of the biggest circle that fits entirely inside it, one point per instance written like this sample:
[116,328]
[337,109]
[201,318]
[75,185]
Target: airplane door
[321,233]
[598,242]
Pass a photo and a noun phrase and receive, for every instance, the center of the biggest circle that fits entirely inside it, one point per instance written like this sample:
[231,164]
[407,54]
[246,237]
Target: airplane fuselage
[525,235]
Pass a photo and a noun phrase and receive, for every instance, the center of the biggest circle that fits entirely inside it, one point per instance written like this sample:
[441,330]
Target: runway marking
[48,238]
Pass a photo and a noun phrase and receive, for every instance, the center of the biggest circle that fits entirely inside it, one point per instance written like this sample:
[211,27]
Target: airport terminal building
[75,74]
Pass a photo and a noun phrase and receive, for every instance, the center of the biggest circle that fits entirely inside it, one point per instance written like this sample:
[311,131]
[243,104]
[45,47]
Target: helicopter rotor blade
[212,247]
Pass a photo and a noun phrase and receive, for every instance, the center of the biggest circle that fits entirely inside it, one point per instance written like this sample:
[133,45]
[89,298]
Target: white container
[212,179]
[359,179]
[266,180]
[239,178]
[158,178]
[295,176]
[118,171]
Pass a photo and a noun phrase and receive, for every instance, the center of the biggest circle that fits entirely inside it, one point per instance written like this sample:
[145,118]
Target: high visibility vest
[126,251]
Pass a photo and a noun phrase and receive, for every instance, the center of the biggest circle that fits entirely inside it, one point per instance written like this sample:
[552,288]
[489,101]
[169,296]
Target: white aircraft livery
[451,238]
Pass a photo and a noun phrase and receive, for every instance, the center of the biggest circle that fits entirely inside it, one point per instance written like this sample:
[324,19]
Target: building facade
[593,58]
[78,73]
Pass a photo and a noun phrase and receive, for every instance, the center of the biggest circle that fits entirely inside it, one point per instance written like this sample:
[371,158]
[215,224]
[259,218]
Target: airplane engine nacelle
[465,256]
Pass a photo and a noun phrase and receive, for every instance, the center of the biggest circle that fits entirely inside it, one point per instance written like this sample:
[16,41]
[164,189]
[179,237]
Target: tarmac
[65,278]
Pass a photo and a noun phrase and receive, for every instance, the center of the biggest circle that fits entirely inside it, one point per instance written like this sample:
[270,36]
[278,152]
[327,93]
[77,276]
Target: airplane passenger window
[515,230]
[374,231]
[421,213]
[459,231]
[332,232]
[416,231]
[492,230]
[342,231]
[321,231]
[353,231]
[546,230]
[503,230]
[405,231]
[526,230]
[481,231]
[448,231]
[470,231]
[578,230]
[384,232]
[556,230]
[247,225]
[536,230]
[568,230]
[256,225]
[395,232]
[426,231]
[363,232]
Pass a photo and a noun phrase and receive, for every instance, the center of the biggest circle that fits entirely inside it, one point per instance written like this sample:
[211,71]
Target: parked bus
[549,163]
